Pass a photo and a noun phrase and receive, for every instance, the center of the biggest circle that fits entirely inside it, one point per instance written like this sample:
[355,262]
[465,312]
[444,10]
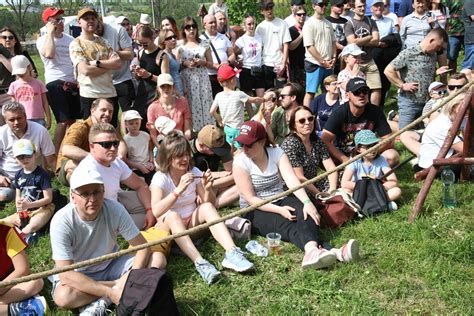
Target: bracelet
[176,195]
[307,201]
[148,209]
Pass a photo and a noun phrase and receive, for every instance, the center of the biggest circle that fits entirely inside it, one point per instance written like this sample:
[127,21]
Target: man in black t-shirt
[297,50]
[209,149]
[353,116]
[337,6]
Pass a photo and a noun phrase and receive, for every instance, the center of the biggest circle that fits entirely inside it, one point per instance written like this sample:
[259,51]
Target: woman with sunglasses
[174,191]
[307,152]
[168,40]
[194,56]
[260,172]
[250,47]
[264,114]
[152,62]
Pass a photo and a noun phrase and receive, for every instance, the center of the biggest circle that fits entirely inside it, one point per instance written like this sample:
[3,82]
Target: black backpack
[147,292]
[371,196]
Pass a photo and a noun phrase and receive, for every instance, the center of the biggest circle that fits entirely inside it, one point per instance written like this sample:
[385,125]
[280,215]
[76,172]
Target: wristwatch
[97,63]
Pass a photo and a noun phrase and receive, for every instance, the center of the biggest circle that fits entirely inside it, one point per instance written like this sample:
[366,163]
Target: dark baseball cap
[336,2]
[355,84]
[297,2]
[266,4]
[250,132]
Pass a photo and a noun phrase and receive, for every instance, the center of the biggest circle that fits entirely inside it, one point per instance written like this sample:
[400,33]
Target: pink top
[181,112]
[29,95]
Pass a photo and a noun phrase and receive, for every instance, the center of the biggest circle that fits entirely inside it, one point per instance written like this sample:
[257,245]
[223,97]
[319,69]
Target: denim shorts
[408,111]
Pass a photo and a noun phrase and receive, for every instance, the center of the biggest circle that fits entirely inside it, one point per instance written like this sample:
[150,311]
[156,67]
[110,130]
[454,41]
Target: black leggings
[299,232]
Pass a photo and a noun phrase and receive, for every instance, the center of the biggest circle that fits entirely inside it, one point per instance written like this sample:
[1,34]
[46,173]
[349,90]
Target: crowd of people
[210,119]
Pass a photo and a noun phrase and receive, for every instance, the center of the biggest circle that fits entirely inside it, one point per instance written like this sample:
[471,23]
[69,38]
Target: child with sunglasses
[372,165]
[34,193]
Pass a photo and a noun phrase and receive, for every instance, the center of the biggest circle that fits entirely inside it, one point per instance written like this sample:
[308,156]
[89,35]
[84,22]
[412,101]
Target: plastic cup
[274,243]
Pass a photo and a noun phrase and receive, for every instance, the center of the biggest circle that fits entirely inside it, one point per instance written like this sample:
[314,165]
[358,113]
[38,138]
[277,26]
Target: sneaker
[35,305]
[414,161]
[348,252]
[235,260]
[96,308]
[318,258]
[207,270]
[392,206]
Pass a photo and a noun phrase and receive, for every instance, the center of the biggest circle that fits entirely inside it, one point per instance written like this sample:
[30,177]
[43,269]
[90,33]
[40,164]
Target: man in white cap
[87,228]
[94,62]
[63,91]
[103,146]
[125,23]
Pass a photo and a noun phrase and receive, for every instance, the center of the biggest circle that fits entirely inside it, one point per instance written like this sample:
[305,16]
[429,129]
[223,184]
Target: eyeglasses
[301,14]
[58,20]
[89,195]
[309,119]
[363,91]
[21,157]
[108,144]
[455,86]
[190,26]
[144,45]
[441,92]
[7,37]
[169,38]
[282,96]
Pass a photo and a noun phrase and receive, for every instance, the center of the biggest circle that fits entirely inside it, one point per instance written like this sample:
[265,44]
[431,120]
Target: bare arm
[333,177]
[299,172]
[328,138]
[161,203]
[23,204]
[296,42]
[142,257]
[216,115]
[346,182]
[46,109]
[49,48]
[125,53]
[51,161]
[374,41]
[360,41]
[21,268]
[74,152]
[204,189]
[230,55]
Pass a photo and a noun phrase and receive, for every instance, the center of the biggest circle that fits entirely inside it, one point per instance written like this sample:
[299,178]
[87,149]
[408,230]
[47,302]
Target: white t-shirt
[320,34]
[221,43]
[118,39]
[138,147]
[34,132]
[274,34]
[117,172]
[231,107]
[60,67]
[433,138]
[265,183]
[251,50]
[185,205]
[75,239]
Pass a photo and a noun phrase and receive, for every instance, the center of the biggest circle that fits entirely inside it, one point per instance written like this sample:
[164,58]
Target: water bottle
[449,194]
[256,248]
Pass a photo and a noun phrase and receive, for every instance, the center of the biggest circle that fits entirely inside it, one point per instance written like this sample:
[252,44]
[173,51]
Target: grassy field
[420,268]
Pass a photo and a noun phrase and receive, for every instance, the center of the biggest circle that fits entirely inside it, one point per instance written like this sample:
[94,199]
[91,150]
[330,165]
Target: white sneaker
[348,252]
[392,206]
[96,308]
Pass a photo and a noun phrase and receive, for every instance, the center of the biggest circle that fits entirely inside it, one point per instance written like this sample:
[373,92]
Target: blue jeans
[408,111]
[454,46]
[468,57]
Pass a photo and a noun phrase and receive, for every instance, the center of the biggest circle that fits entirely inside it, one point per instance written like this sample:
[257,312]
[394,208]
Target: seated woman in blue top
[260,171]
[323,105]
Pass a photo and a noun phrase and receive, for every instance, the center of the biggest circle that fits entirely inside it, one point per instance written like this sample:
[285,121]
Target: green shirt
[455,26]
[279,125]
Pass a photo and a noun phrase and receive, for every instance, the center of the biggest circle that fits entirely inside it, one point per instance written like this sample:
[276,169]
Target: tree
[70,7]
[20,9]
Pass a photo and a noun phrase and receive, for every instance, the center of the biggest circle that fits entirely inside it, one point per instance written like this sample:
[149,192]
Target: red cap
[250,132]
[225,72]
[49,12]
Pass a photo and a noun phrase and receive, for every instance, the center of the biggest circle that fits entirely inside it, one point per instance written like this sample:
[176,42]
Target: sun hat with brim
[23,147]
[251,132]
[49,12]
[85,11]
[164,125]
[84,177]
[351,49]
[435,85]
[131,115]
[366,137]
[19,65]
[165,78]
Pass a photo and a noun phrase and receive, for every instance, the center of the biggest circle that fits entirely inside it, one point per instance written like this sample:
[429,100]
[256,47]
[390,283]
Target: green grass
[420,268]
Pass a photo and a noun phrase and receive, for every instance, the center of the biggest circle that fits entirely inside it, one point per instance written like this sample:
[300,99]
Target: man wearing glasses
[337,21]
[103,146]
[355,115]
[63,91]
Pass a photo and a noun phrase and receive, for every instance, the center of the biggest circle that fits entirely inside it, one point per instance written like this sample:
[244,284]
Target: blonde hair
[451,106]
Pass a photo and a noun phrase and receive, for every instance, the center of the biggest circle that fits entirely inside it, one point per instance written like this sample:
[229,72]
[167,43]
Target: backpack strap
[212,47]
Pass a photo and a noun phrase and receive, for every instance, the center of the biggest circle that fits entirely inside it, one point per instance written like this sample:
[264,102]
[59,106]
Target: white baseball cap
[435,85]
[19,65]
[165,78]
[80,178]
[120,19]
[131,115]
[145,19]
[164,125]
[23,147]
[352,49]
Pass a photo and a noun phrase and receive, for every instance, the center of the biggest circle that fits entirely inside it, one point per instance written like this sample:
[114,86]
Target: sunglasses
[455,86]
[309,119]
[282,96]
[89,195]
[441,92]
[59,20]
[301,14]
[273,99]
[108,144]
[7,37]
[363,91]
[247,146]
[190,26]
[169,38]
[21,157]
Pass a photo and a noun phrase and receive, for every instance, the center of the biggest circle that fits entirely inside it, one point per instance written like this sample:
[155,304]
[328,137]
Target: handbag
[256,71]
[336,208]
[239,227]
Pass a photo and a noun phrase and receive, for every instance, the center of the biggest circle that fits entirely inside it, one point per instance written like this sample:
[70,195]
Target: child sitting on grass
[140,150]
[18,299]
[30,92]
[231,104]
[372,165]
[34,193]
